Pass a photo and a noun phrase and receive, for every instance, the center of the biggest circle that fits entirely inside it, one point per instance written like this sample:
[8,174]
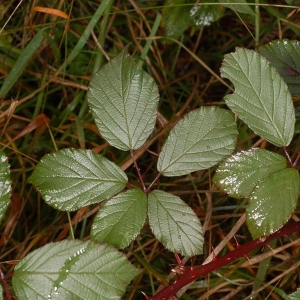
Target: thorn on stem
[270,247]
[237,243]
[288,237]
[181,266]
[146,297]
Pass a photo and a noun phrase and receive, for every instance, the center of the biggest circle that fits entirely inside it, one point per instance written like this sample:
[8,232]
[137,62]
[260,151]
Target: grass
[45,109]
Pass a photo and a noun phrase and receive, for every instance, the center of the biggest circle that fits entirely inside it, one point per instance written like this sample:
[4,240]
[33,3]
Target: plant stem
[138,171]
[2,278]
[192,274]
[150,186]
[296,160]
[287,156]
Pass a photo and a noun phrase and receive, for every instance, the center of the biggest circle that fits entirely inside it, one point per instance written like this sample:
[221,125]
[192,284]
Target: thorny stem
[292,164]
[138,171]
[192,274]
[296,160]
[287,156]
[4,283]
[150,186]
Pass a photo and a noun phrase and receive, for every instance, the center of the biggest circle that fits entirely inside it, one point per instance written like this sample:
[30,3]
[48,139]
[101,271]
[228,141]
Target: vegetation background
[46,110]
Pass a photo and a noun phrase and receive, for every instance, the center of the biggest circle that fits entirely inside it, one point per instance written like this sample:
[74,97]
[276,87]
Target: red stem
[192,274]
[2,278]
[138,170]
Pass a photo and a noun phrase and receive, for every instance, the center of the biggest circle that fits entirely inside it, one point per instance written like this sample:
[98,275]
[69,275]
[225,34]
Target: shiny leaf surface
[240,173]
[240,6]
[174,223]
[199,141]
[261,98]
[272,202]
[204,15]
[295,296]
[120,220]
[178,15]
[73,270]
[285,57]
[176,18]
[5,184]
[123,100]
[73,178]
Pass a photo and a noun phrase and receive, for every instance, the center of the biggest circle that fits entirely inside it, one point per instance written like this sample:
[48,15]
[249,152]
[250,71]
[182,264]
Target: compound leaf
[261,98]
[238,174]
[120,219]
[199,141]
[123,100]
[272,202]
[284,55]
[174,223]
[73,270]
[5,184]
[70,179]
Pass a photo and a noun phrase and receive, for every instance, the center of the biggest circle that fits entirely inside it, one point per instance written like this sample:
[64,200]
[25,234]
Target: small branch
[138,171]
[192,274]
[4,283]
[296,160]
[287,156]
[150,186]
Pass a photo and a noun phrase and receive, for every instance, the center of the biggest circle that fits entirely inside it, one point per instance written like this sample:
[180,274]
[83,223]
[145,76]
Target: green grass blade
[150,40]
[21,62]
[84,37]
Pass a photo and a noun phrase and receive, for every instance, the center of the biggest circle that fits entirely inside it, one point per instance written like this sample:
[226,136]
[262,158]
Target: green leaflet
[261,98]
[71,179]
[240,173]
[123,100]
[178,15]
[295,296]
[174,223]
[272,202]
[73,270]
[5,184]
[199,141]
[285,57]
[239,6]
[121,218]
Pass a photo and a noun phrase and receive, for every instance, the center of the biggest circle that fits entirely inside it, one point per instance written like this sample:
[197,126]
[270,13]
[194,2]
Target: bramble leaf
[261,98]
[295,296]
[121,218]
[284,55]
[73,270]
[123,100]
[70,179]
[272,202]
[178,15]
[5,184]
[199,141]
[240,6]
[174,223]
[240,173]
[204,15]
[176,18]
